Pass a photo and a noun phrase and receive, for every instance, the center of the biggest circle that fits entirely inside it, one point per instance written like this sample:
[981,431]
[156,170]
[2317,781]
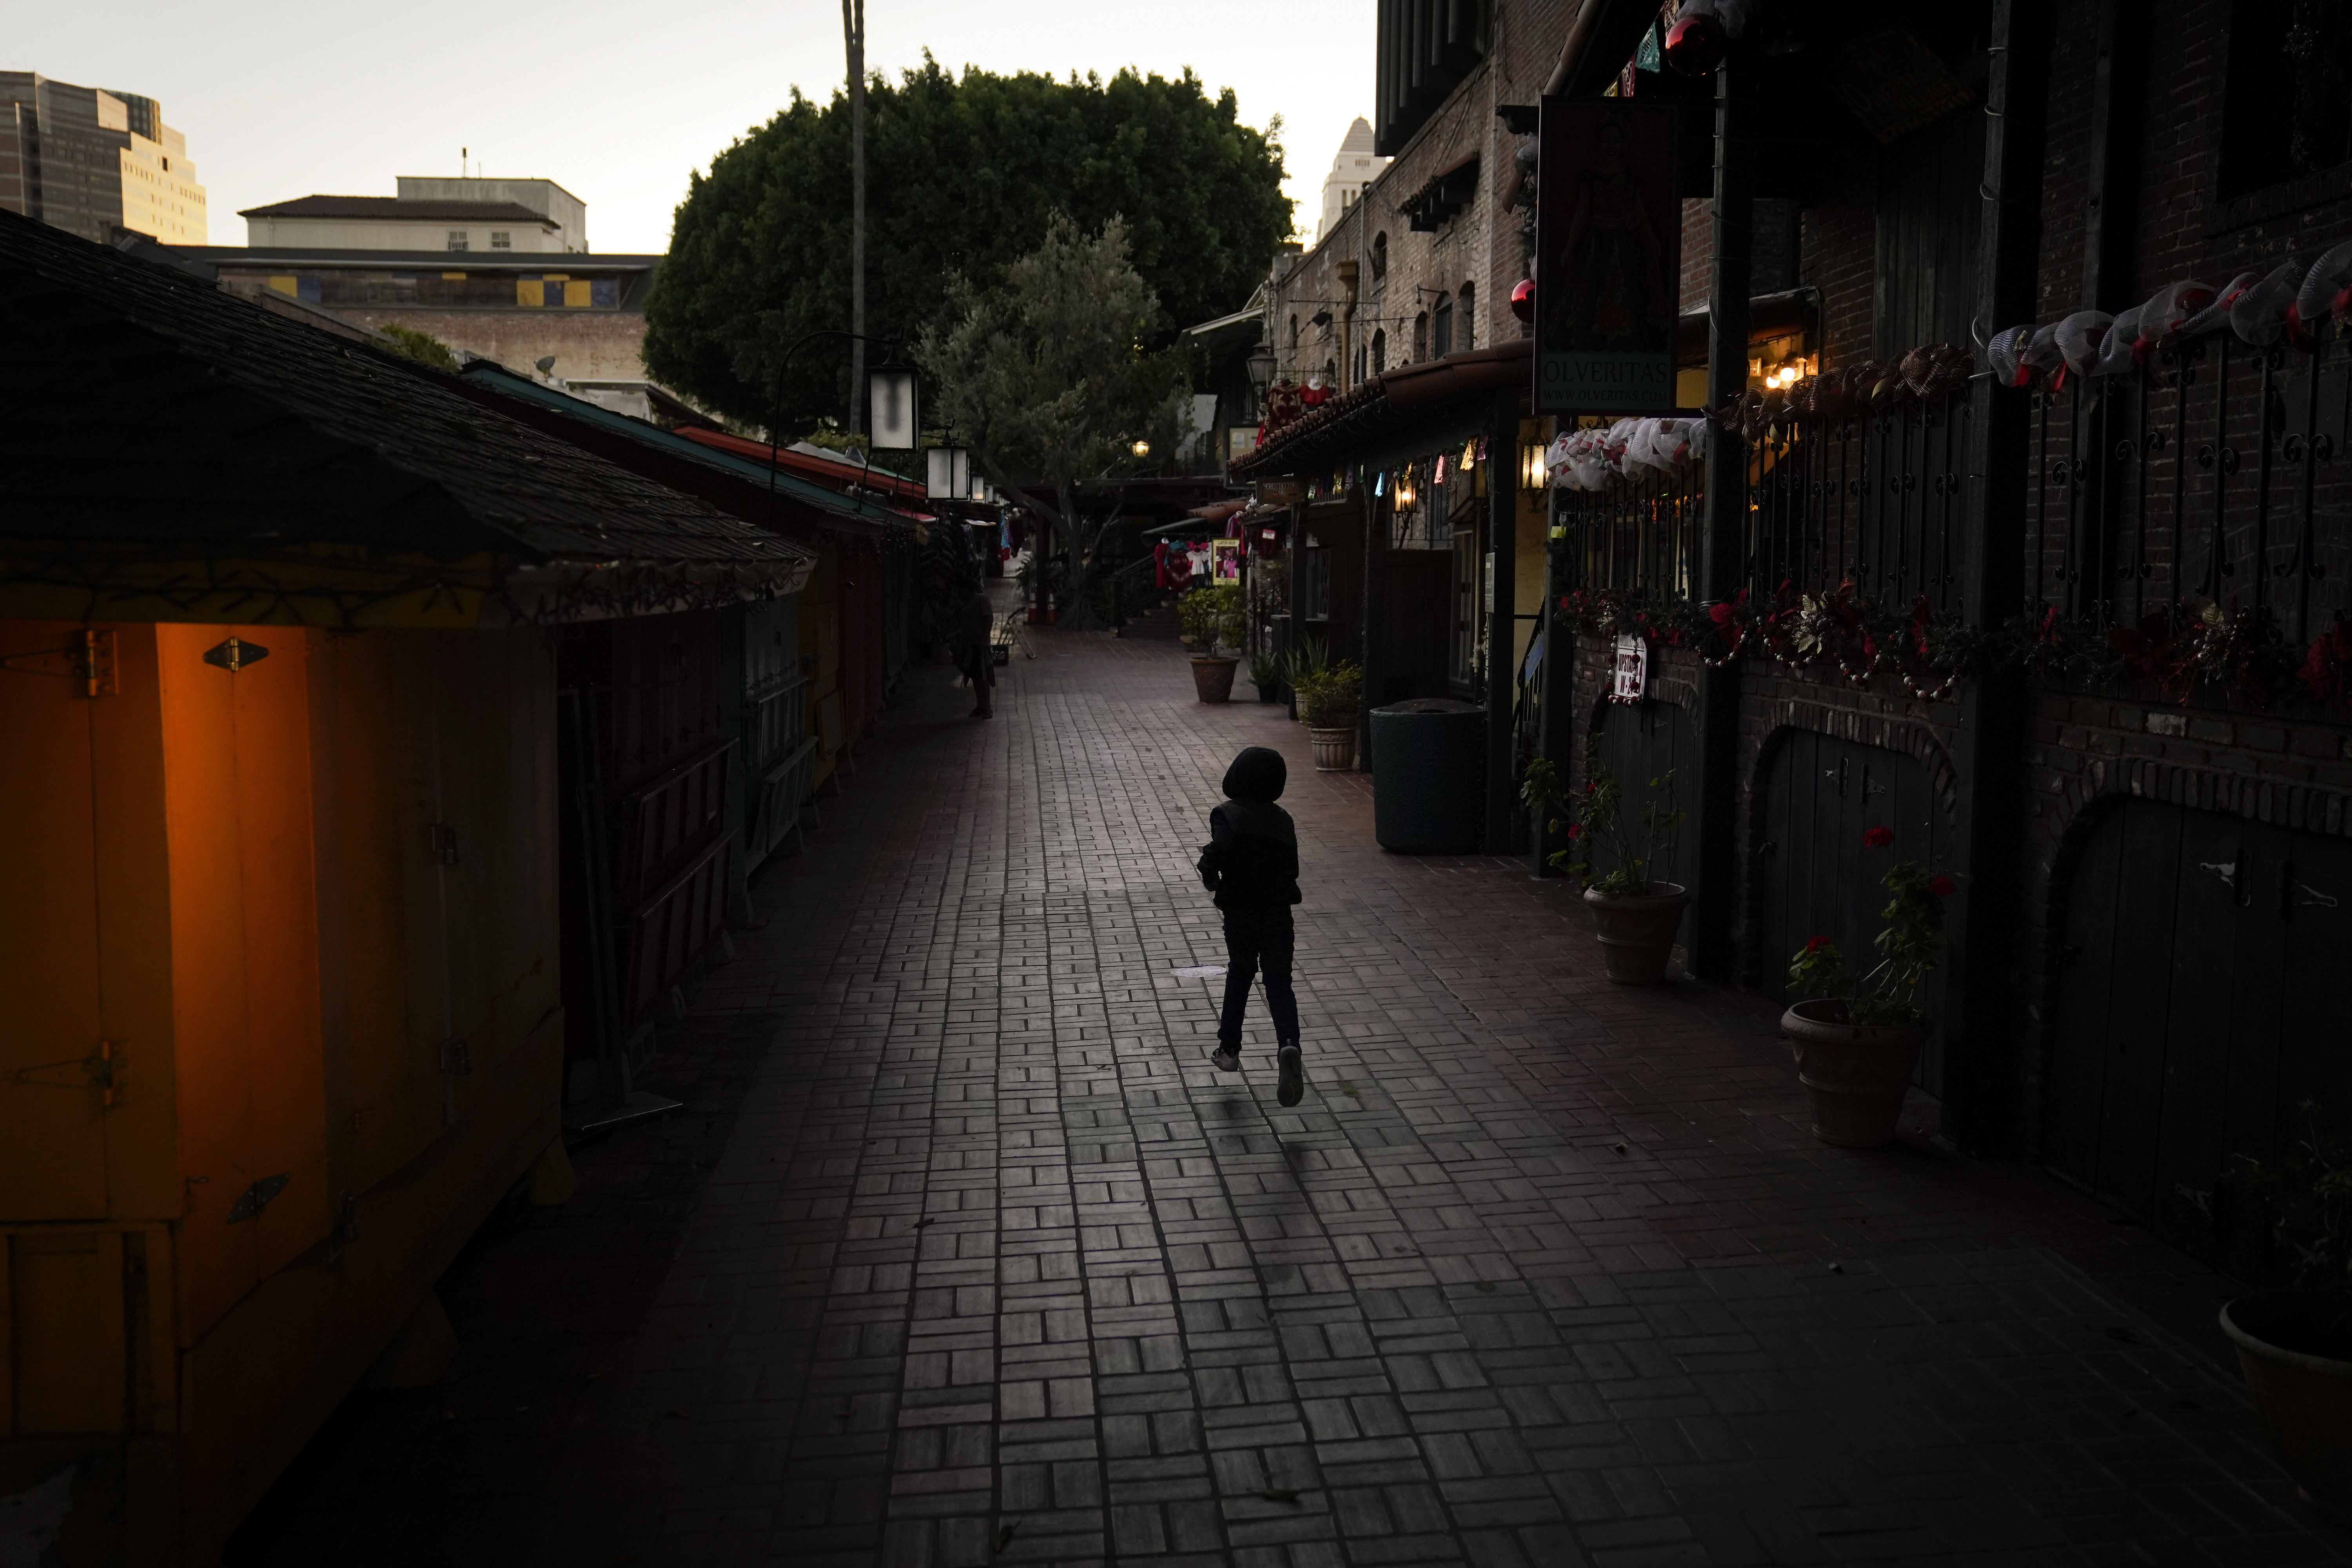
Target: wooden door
[1815,877]
[245,955]
[52,1103]
[2196,1009]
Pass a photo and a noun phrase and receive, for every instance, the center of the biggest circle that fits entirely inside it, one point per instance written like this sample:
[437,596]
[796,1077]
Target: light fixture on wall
[1405,492]
[1532,476]
[1142,449]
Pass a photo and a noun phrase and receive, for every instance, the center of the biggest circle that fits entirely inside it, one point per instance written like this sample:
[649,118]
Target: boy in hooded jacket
[1250,863]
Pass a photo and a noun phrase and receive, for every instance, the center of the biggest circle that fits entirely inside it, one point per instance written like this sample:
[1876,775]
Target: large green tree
[1046,376]
[963,175]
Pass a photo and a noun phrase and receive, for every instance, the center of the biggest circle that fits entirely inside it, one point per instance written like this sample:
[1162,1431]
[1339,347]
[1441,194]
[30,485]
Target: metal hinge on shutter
[88,658]
[257,1198]
[107,1070]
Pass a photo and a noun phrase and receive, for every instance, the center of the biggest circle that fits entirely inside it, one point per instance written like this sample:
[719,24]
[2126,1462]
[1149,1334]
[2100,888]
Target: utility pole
[853,28]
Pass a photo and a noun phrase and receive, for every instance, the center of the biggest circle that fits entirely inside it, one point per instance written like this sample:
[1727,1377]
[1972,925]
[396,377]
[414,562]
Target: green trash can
[1429,776]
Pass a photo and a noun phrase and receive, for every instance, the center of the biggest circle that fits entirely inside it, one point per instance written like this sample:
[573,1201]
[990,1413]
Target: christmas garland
[2181,647]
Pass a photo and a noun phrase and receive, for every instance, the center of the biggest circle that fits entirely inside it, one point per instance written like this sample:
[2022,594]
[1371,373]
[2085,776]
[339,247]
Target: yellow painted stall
[280,951]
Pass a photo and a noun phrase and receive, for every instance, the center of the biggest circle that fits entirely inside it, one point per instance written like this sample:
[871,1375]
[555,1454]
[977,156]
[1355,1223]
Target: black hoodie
[1251,862]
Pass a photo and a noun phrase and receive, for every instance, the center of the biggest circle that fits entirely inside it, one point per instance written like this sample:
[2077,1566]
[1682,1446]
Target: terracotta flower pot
[2305,1401]
[1637,930]
[1856,1074]
[1213,677]
[1335,750]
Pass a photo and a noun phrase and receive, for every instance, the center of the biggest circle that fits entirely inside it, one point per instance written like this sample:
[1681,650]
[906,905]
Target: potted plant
[2294,1346]
[1308,657]
[1206,616]
[1636,915]
[1265,675]
[1857,1037]
[1331,702]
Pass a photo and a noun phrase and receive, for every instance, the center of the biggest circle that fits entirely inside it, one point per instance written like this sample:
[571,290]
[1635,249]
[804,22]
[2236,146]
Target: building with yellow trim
[89,161]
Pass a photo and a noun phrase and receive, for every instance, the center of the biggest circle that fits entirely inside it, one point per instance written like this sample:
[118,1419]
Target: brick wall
[1839,255]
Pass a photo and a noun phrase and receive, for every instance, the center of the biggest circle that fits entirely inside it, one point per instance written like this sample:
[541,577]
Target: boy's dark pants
[1254,941]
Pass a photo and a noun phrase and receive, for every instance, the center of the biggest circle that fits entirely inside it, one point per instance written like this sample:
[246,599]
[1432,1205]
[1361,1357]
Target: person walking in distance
[973,655]
[1250,863]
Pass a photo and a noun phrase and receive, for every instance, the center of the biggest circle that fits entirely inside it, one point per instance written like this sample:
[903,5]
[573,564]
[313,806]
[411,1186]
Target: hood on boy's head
[1258,774]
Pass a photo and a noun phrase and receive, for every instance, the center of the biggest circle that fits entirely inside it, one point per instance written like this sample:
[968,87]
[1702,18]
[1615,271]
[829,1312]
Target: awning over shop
[1425,401]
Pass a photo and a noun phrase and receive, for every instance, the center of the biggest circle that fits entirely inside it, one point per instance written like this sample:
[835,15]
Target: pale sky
[619,102]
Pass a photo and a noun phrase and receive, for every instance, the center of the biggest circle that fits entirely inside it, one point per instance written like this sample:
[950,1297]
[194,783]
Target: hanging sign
[1608,256]
[1630,676]
[1280,493]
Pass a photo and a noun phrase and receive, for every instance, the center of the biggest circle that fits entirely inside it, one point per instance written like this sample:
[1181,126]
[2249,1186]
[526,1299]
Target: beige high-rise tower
[86,160]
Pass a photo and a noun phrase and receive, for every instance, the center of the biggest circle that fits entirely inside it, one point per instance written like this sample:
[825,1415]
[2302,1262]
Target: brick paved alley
[993,1267]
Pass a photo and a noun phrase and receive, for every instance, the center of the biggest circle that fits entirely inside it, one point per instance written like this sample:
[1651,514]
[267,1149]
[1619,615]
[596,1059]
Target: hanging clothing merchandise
[1437,475]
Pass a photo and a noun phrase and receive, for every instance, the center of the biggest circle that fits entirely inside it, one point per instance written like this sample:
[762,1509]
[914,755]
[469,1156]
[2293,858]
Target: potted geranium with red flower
[1856,1036]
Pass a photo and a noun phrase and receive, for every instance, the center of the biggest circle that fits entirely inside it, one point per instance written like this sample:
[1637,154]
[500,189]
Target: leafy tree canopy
[1045,373]
[963,175]
[422,347]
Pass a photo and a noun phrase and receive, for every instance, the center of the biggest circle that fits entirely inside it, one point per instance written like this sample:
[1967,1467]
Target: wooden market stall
[278,673]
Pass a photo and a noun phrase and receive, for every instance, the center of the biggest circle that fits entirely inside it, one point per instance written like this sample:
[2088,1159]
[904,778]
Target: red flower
[1942,887]
[1878,838]
[1815,945]
[1575,830]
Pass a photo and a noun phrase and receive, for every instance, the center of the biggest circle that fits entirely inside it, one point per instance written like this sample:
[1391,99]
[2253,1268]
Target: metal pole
[853,26]
[1713,948]
[1502,618]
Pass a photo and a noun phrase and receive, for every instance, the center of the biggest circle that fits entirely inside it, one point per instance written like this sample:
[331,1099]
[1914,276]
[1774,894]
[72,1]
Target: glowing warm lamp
[1142,449]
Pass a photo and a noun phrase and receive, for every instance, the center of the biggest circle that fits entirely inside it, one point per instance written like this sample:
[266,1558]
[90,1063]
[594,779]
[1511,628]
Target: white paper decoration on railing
[2080,337]
[2327,291]
[2259,315]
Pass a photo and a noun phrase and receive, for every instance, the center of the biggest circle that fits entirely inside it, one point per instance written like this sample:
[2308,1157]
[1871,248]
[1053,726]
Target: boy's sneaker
[1225,1059]
[1293,1082]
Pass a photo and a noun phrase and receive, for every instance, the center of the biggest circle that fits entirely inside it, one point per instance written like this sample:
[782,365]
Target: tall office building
[86,160]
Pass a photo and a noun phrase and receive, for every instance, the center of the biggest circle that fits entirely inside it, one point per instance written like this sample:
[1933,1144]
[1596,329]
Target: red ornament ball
[1695,45]
[1523,300]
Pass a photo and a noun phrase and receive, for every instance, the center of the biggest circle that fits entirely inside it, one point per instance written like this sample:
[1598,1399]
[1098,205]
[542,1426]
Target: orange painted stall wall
[281,953]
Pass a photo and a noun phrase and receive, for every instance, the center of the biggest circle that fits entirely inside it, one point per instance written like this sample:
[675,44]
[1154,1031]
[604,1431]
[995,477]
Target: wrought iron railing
[2221,475]
[1871,498]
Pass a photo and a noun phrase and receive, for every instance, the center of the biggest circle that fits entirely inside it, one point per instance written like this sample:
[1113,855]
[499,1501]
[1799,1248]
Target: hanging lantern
[1523,300]
[1695,44]
[948,473]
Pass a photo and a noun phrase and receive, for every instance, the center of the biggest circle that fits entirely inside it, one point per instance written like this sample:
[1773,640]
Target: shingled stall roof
[781,500]
[1400,413]
[169,451]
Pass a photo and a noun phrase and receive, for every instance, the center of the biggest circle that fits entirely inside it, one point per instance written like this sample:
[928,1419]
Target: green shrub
[1332,698]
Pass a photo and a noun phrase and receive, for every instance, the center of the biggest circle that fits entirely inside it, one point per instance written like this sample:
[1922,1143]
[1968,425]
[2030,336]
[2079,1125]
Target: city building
[429,214]
[497,270]
[90,161]
[1355,167]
